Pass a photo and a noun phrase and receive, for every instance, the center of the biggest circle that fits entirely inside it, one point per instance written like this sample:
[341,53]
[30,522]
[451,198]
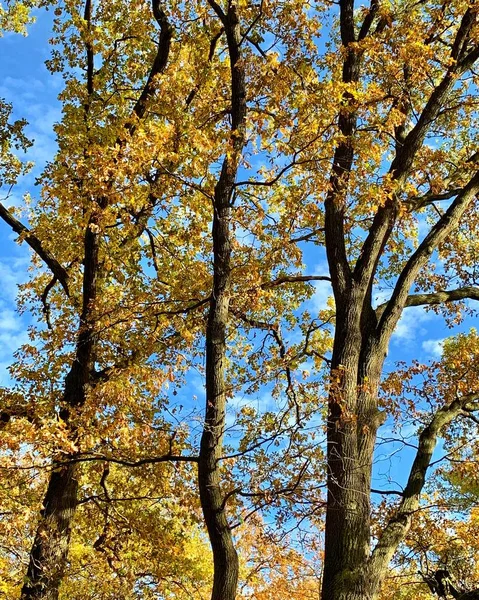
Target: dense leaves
[183,388]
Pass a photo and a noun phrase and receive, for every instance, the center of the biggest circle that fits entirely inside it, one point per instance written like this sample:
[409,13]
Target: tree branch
[36,245]
[334,204]
[434,298]
[437,234]
[294,279]
[129,463]
[427,199]
[384,219]
[218,10]
[399,523]
[368,19]
[211,53]
[158,67]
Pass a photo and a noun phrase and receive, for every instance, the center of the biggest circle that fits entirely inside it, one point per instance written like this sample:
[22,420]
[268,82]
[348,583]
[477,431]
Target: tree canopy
[185,419]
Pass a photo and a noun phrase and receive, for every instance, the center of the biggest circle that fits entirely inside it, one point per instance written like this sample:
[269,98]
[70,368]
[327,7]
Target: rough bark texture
[351,570]
[50,548]
[49,552]
[209,477]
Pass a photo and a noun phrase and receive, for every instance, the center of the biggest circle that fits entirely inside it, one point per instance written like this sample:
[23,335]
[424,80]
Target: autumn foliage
[186,420]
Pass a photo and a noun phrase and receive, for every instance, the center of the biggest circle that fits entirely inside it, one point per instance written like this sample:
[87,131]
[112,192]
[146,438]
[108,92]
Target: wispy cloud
[36,101]
[13,326]
[433,347]
[412,326]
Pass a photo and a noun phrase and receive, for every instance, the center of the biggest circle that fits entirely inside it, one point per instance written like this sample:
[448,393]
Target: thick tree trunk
[49,553]
[351,439]
[351,433]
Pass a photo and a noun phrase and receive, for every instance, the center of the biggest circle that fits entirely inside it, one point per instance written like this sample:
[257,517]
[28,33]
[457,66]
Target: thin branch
[294,279]
[211,54]
[185,310]
[129,463]
[276,334]
[307,236]
[45,303]
[398,525]
[271,493]
[387,492]
[422,201]
[255,20]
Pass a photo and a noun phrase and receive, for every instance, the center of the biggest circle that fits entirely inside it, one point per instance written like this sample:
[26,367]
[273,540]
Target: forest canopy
[245,202]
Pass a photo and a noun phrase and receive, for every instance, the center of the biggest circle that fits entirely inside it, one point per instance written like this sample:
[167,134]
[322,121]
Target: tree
[418,106]
[125,174]
[88,344]
[240,116]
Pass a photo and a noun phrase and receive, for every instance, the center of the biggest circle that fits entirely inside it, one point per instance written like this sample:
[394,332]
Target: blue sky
[25,81]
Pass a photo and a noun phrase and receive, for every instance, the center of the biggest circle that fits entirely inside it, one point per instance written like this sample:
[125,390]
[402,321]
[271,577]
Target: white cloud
[13,326]
[411,326]
[34,100]
[433,347]
[11,275]
[10,343]
[9,321]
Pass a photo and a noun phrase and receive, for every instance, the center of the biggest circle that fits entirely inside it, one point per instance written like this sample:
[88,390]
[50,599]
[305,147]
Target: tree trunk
[351,432]
[49,553]
[212,498]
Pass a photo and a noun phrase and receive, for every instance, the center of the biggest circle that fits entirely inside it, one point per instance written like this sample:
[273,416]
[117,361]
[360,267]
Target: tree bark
[351,430]
[212,498]
[50,549]
[351,570]
[49,552]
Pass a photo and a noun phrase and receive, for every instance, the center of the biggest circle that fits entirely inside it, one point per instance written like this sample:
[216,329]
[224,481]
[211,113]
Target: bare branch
[294,279]
[387,492]
[434,298]
[128,463]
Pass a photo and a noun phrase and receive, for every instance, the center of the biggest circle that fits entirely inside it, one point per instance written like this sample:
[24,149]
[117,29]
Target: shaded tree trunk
[212,498]
[49,552]
[351,570]
[50,549]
